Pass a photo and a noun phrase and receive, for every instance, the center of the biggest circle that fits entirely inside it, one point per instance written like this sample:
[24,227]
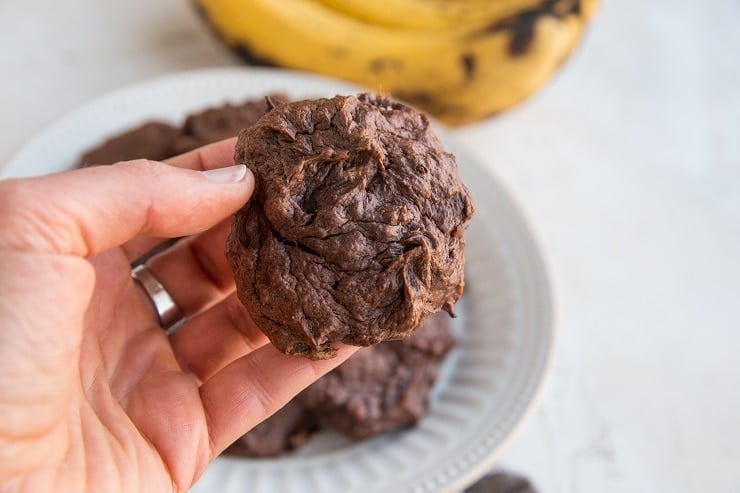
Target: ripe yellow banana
[458,71]
[430,14]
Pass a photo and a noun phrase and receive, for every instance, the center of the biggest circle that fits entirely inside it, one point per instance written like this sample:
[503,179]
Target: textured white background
[627,165]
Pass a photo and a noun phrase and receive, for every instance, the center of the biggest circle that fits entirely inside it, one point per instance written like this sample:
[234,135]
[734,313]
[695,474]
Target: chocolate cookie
[284,431]
[434,339]
[153,140]
[502,482]
[384,387]
[355,230]
[222,122]
[159,141]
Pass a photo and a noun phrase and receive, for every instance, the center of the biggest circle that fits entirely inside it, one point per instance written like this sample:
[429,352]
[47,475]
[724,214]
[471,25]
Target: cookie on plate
[158,140]
[384,387]
[222,122]
[153,140]
[284,431]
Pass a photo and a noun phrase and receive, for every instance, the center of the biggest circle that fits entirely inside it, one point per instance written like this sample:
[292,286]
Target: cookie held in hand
[355,230]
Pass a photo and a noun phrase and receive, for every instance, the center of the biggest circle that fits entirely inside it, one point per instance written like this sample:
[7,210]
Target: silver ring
[168,312]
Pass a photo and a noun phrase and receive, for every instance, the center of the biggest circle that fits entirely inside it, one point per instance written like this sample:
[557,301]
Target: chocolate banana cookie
[384,387]
[381,388]
[152,140]
[284,431]
[502,482]
[222,122]
[355,231]
[158,140]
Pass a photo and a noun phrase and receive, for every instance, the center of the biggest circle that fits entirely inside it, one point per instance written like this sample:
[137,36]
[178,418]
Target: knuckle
[12,195]
[16,215]
[14,205]
[26,219]
[262,399]
[142,168]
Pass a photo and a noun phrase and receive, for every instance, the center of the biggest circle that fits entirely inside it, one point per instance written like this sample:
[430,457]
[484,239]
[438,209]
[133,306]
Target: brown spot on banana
[522,25]
[468,61]
[522,33]
[379,65]
[564,8]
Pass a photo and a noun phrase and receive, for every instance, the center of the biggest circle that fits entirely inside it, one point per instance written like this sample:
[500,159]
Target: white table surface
[628,167]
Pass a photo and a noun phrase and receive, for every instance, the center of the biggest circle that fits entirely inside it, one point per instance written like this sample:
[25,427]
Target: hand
[94,396]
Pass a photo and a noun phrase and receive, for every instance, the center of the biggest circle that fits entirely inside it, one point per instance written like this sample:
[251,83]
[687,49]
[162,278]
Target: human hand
[94,395]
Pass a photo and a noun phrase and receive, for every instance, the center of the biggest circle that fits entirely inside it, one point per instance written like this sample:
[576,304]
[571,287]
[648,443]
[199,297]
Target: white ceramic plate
[505,332]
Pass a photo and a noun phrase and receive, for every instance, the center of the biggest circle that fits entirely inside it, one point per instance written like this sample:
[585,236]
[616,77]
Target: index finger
[86,211]
[217,155]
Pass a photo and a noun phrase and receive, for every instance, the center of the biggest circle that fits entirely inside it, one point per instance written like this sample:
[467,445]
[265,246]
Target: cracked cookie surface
[355,231]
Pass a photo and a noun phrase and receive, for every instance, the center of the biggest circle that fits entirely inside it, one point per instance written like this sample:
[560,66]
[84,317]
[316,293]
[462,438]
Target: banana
[458,71]
[430,14]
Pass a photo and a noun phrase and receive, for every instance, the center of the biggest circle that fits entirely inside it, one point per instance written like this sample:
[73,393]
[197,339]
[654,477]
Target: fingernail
[231,174]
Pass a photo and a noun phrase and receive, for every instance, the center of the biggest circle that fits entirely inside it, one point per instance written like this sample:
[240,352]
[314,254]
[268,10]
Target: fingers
[215,338]
[195,270]
[253,387]
[86,211]
[216,155]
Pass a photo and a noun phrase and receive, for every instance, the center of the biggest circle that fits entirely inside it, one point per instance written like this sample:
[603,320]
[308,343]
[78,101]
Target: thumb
[86,211]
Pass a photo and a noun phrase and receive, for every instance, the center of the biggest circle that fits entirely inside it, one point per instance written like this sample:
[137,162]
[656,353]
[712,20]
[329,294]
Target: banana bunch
[460,60]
